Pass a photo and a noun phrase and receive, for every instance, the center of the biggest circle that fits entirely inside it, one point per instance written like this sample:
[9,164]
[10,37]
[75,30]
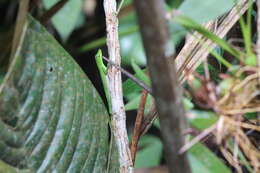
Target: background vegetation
[49,109]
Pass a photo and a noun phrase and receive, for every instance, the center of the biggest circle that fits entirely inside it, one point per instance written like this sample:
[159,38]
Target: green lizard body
[103,74]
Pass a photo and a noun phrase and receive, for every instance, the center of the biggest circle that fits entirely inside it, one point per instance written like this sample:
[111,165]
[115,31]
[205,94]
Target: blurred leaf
[132,48]
[150,152]
[177,33]
[131,44]
[51,117]
[203,11]
[251,115]
[213,70]
[5,168]
[141,74]
[202,160]
[134,102]
[188,105]
[1,78]
[156,123]
[246,30]
[174,3]
[225,85]
[102,41]
[189,23]
[202,119]
[251,60]
[129,86]
[66,19]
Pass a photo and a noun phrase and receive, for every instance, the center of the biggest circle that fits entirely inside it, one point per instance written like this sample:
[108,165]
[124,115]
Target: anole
[103,74]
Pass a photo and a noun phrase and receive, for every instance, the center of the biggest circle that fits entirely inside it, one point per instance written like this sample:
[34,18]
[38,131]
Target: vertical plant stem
[115,88]
[159,50]
[138,125]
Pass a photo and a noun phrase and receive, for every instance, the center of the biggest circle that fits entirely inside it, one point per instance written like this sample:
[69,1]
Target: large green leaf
[51,117]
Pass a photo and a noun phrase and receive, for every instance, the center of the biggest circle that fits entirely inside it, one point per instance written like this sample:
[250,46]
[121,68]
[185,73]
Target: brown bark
[159,50]
[138,125]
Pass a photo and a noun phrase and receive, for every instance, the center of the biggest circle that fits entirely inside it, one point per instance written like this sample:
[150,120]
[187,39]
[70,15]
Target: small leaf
[131,43]
[202,119]
[174,3]
[203,11]
[129,86]
[251,60]
[188,105]
[65,20]
[203,160]
[150,152]
[225,85]
[134,102]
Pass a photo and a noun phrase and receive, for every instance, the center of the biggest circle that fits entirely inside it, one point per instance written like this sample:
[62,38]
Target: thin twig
[132,77]
[149,119]
[118,120]
[138,125]
[197,138]
[120,6]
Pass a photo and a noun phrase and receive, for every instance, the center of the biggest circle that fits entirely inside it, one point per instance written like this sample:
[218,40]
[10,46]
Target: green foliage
[150,153]
[129,86]
[250,58]
[130,51]
[51,116]
[202,119]
[203,160]
[66,19]
[6,168]
[200,157]
[174,3]
[130,41]
[134,102]
[189,23]
[203,11]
